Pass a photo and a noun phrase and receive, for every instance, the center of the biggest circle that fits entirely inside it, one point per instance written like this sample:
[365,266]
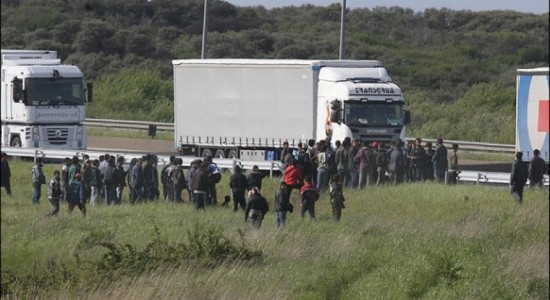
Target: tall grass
[414,241]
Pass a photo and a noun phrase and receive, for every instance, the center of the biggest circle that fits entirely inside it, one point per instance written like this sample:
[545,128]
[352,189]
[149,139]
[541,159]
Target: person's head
[255,169]
[101,157]
[95,163]
[66,161]
[4,155]
[285,144]
[418,142]
[253,191]
[307,178]
[172,158]
[39,160]
[536,152]
[311,142]
[455,147]
[56,173]
[207,159]
[120,159]
[374,145]
[439,141]
[381,145]
[429,145]
[519,155]
[78,176]
[112,160]
[338,143]
[75,159]
[237,169]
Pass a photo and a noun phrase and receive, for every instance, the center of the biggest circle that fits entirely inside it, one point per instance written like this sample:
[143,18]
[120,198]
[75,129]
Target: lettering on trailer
[370,90]
[56,115]
[30,57]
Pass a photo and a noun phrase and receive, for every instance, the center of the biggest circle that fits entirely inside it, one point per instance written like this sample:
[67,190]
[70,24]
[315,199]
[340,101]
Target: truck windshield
[377,114]
[47,91]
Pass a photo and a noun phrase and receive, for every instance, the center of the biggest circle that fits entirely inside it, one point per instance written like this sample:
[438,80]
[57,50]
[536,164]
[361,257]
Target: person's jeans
[322,179]
[119,190]
[280,218]
[310,208]
[36,193]
[353,179]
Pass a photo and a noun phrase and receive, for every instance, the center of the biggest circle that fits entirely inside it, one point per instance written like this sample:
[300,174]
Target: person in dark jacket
[440,161]
[54,193]
[136,182]
[109,181]
[397,163]
[238,185]
[95,183]
[309,195]
[282,204]
[38,179]
[76,195]
[256,208]
[120,182]
[518,177]
[537,169]
[201,185]
[336,197]
[255,178]
[166,180]
[6,174]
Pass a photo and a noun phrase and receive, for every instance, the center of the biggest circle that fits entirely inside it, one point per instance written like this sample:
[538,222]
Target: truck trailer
[532,110]
[247,108]
[42,101]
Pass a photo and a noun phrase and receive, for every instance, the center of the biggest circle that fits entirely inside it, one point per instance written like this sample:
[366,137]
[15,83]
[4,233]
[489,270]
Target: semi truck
[247,108]
[532,110]
[42,101]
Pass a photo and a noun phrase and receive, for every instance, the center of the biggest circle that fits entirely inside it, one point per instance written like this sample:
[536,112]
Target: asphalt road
[167,148]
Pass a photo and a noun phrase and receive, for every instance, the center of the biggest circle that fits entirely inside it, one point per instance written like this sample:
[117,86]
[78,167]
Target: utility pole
[205,30]
[343,30]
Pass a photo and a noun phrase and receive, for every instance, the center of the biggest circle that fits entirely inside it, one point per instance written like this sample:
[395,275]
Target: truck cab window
[62,91]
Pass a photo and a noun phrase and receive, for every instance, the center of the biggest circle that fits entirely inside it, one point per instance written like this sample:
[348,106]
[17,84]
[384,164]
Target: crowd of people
[310,169]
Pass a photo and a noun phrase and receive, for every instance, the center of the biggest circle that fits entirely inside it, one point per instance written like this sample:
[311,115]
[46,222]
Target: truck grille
[57,136]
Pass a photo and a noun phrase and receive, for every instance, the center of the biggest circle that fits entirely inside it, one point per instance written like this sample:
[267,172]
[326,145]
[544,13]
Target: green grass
[127,133]
[414,241]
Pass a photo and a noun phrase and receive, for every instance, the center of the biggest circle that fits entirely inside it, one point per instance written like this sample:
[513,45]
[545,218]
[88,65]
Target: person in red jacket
[309,194]
[293,177]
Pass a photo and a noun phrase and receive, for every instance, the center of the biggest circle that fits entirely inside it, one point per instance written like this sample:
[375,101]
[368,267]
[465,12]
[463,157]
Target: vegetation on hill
[456,68]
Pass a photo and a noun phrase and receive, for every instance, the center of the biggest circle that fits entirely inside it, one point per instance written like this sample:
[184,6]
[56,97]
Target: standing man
[453,165]
[38,179]
[282,204]
[440,161]
[201,185]
[166,180]
[6,174]
[238,185]
[54,193]
[256,208]
[397,166]
[518,177]
[76,196]
[309,194]
[537,169]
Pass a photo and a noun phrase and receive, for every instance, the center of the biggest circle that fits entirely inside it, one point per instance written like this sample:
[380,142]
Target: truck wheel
[206,152]
[16,142]
[233,154]
[219,154]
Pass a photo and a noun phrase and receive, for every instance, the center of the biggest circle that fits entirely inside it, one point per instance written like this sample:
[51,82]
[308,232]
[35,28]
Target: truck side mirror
[407,117]
[89,92]
[335,111]
[17,91]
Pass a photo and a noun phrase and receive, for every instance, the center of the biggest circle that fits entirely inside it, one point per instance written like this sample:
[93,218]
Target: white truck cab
[42,101]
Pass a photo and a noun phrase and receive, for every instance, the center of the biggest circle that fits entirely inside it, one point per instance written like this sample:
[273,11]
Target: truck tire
[219,154]
[16,142]
[233,154]
[206,152]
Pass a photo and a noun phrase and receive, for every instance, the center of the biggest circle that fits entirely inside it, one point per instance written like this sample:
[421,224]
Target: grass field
[414,241]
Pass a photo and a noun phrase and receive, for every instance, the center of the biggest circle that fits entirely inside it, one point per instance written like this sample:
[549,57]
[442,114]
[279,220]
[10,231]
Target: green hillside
[456,68]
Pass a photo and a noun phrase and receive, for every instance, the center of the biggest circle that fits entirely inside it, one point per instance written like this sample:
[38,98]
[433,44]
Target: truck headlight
[79,133]
[35,133]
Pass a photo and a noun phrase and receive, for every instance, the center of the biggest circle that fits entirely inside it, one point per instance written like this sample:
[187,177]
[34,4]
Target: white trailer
[246,108]
[42,101]
[532,110]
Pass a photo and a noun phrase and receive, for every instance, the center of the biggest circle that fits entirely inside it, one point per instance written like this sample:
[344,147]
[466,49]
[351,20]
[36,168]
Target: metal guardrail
[476,177]
[144,125]
[223,163]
